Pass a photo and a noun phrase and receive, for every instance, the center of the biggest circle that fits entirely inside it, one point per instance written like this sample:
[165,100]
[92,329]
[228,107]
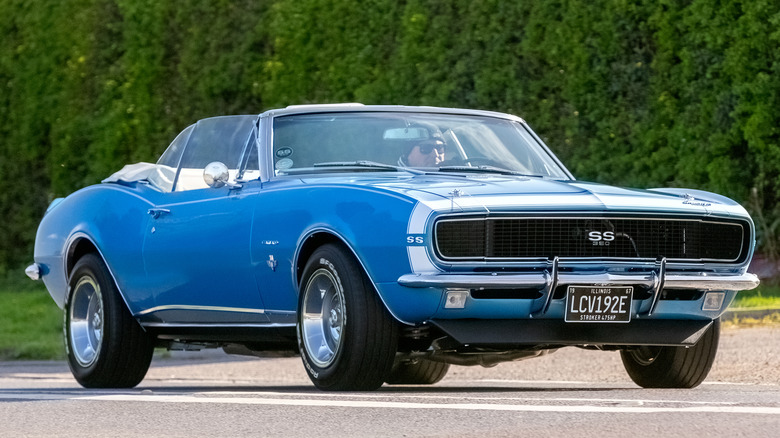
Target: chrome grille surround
[516,238]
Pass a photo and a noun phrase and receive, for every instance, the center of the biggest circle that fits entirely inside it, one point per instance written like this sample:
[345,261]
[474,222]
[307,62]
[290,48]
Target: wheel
[346,337]
[106,346]
[417,372]
[673,367]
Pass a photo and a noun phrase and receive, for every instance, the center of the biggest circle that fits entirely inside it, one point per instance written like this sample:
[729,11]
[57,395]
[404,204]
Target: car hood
[489,193]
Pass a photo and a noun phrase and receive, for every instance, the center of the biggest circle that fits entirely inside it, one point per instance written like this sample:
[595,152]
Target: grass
[31,324]
[743,322]
[765,296]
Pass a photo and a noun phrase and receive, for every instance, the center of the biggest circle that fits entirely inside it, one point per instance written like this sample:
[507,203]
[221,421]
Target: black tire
[673,367]
[417,372]
[346,337]
[106,346]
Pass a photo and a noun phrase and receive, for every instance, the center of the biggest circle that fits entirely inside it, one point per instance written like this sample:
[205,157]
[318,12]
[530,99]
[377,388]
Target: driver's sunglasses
[427,147]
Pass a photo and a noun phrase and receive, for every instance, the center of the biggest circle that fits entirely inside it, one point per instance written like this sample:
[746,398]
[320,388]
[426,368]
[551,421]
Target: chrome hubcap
[86,321]
[323,317]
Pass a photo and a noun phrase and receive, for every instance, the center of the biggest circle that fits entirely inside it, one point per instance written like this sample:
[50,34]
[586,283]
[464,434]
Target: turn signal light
[713,301]
[456,298]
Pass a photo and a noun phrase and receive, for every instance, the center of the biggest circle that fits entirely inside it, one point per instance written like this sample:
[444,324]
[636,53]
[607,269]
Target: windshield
[224,139]
[435,142]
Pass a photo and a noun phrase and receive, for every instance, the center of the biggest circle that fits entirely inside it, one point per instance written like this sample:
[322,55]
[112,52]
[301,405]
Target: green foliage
[30,325]
[755,307]
[766,296]
[637,93]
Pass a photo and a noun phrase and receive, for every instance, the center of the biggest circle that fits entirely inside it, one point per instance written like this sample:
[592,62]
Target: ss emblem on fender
[415,240]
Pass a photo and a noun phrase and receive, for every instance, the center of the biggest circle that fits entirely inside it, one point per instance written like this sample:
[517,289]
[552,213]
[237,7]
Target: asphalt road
[572,392]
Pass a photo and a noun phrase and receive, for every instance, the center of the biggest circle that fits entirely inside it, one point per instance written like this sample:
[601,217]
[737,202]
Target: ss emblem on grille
[601,238]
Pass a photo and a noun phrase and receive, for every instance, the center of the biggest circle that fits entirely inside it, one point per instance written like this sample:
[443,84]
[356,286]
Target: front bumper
[703,281]
[547,281]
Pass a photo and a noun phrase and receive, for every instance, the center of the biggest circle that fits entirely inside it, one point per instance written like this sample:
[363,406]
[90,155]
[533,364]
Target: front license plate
[598,304]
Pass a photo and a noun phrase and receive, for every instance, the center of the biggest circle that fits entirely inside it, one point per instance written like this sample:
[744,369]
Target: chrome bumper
[545,280]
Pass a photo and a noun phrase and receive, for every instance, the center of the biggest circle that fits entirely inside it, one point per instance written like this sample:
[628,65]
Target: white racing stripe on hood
[536,201]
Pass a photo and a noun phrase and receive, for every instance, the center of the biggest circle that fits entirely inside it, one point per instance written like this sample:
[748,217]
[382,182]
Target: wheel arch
[309,244]
[319,237]
[79,246]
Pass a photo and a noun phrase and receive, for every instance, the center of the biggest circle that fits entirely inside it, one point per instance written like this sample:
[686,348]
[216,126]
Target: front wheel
[346,337]
[106,346]
[673,367]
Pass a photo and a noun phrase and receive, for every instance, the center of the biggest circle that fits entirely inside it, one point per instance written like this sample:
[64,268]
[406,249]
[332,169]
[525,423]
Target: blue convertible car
[383,244]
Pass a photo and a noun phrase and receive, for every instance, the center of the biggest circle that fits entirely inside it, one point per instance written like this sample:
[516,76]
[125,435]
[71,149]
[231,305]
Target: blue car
[383,244]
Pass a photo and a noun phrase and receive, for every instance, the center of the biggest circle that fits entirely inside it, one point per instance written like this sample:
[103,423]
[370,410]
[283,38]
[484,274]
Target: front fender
[113,219]
[371,222]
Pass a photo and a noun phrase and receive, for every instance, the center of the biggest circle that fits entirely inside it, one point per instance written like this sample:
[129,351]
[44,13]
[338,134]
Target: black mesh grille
[516,238]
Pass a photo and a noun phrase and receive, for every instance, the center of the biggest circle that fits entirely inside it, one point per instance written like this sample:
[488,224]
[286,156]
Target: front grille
[601,237]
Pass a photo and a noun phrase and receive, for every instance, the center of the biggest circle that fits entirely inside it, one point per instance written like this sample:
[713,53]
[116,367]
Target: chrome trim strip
[359,107]
[541,279]
[476,259]
[188,325]
[188,307]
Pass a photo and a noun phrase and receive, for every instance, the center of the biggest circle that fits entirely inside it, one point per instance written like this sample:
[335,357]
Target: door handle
[157,212]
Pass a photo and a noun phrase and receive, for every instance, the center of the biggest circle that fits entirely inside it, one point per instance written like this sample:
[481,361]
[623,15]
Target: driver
[427,153]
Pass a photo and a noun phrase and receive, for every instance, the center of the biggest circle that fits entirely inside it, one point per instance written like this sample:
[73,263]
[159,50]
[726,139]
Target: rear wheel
[346,336]
[673,367]
[417,372]
[106,346]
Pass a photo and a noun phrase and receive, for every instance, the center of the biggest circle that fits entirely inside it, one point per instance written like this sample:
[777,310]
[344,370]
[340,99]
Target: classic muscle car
[383,244]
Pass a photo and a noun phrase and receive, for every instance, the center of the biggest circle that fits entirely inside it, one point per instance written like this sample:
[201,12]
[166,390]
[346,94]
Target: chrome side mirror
[216,174]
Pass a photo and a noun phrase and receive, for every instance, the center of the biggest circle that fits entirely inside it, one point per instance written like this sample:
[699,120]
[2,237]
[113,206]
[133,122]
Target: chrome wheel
[323,317]
[86,321]
[346,337]
[106,346]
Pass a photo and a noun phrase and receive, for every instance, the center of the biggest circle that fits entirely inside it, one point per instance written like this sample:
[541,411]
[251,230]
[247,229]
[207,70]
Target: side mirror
[216,174]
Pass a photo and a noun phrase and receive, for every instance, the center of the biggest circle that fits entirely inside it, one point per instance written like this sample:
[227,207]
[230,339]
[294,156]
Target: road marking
[446,406]
[254,399]
[380,395]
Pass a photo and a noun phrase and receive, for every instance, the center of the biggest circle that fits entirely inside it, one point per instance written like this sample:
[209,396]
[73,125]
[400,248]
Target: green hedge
[637,93]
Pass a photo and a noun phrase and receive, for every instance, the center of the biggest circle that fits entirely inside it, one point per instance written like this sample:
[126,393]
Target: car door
[197,258]
[197,243]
